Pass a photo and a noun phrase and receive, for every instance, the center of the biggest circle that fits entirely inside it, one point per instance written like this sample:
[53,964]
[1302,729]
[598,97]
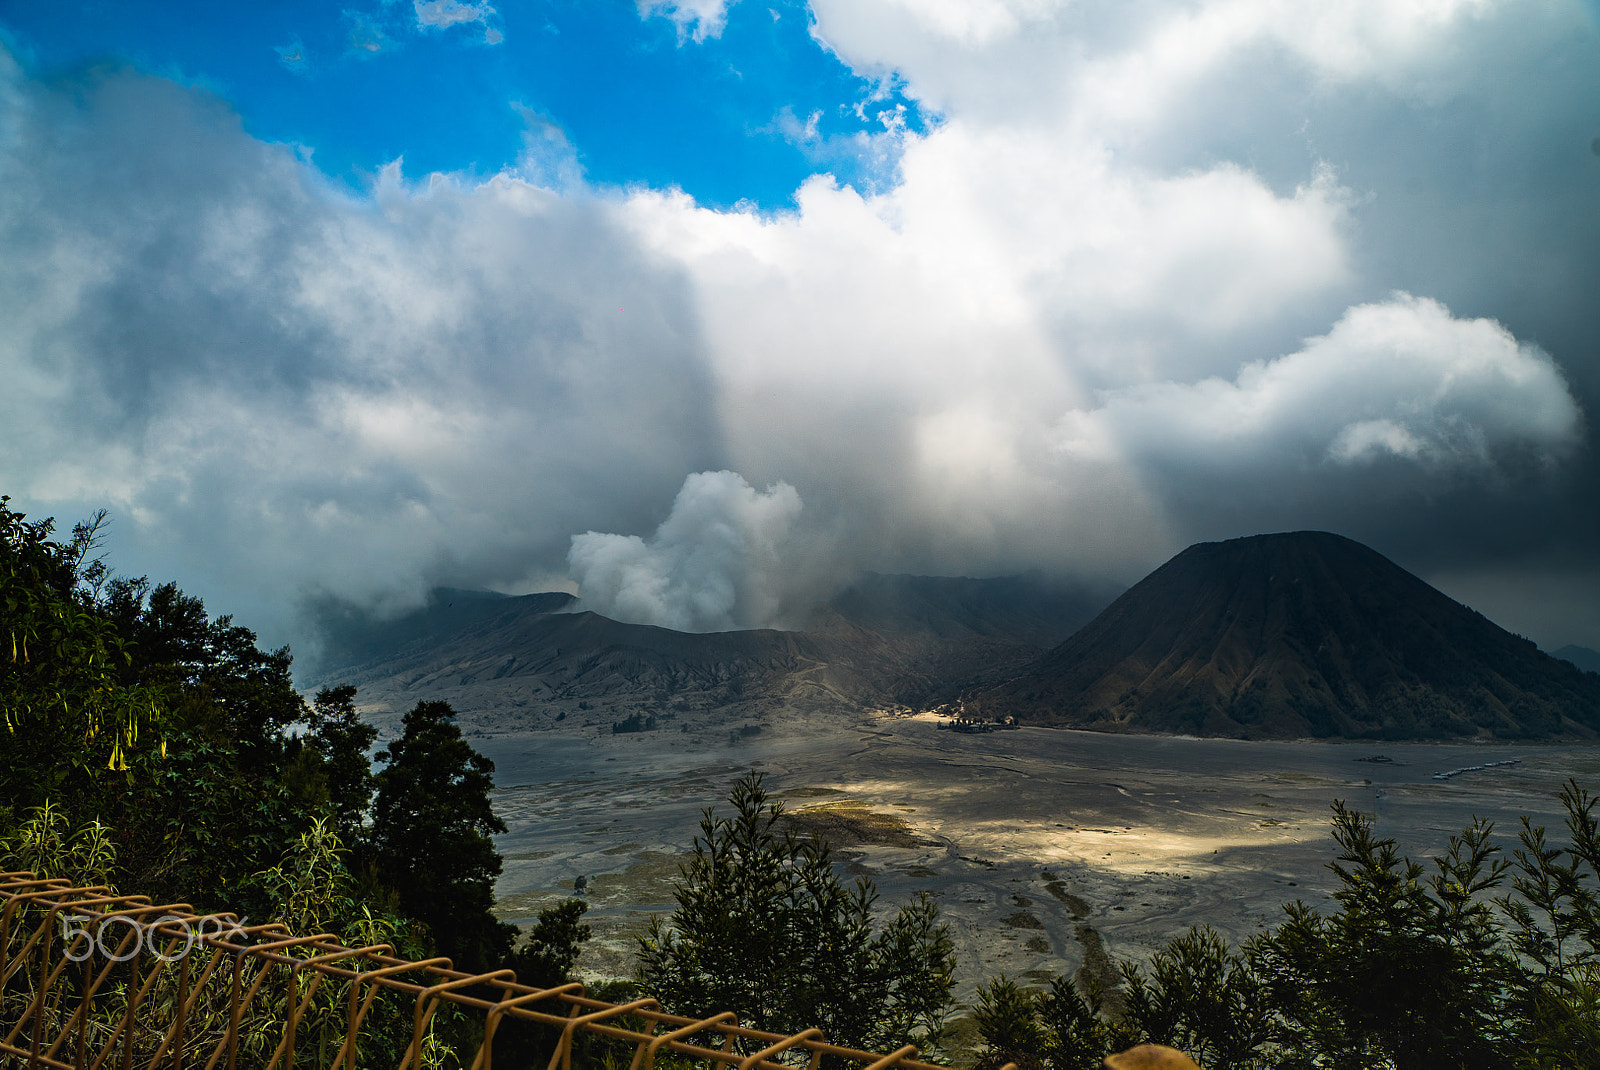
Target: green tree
[1061,1027]
[340,739]
[547,955]
[129,707]
[1008,1021]
[1555,934]
[66,708]
[1076,1034]
[193,823]
[763,927]
[431,838]
[173,643]
[1409,972]
[1203,997]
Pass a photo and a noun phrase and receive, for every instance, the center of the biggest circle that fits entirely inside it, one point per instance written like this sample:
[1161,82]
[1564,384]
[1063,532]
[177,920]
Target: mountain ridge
[886,641]
[1585,658]
[1297,634]
[1289,635]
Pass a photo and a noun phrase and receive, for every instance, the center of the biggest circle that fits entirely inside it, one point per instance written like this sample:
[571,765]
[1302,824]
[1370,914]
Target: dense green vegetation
[151,747]
[1484,962]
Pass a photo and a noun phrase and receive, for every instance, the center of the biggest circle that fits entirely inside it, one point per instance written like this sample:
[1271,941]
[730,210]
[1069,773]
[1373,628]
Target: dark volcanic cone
[1293,635]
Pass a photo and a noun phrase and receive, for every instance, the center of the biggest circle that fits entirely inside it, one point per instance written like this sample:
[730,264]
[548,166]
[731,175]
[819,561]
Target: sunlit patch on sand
[847,824]
[1115,843]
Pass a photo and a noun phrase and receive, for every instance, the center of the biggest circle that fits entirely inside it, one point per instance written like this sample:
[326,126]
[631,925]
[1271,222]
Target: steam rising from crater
[725,558]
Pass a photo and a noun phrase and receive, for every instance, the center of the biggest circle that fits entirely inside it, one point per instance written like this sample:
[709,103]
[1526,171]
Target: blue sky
[639,99]
[698,312]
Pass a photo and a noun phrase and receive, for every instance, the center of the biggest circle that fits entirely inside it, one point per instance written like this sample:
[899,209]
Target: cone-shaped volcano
[1294,635]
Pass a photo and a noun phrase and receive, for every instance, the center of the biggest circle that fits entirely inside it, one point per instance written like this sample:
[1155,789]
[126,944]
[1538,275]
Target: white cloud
[1402,379]
[443,14]
[281,390]
[293,56]
[1366,439]
[1113,63]
[695,19]
[912,350]
[975,21]
[726,557]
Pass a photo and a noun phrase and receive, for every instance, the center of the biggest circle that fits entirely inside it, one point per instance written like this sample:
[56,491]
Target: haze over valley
[1049,849]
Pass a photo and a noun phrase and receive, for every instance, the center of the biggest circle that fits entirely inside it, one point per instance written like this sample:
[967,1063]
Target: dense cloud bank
[279,389]
[1161,272]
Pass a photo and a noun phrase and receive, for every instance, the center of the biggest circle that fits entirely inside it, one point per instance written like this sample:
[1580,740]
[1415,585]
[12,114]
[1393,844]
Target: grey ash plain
[1037,843]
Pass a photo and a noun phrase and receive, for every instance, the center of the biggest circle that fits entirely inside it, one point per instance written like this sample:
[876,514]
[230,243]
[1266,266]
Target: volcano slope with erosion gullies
[1296,635]
[525,662]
